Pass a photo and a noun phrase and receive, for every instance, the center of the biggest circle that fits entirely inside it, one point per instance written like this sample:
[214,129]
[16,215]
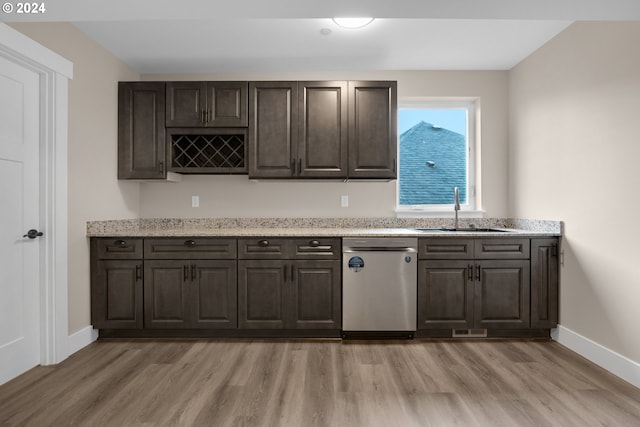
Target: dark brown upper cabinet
[298,129]
[273,129]
[373,130]
[206,104]
[307,129]
[141,130]
[322,129]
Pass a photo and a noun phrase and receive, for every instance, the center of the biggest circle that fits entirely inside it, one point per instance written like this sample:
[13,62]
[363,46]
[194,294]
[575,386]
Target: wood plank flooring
[320,383]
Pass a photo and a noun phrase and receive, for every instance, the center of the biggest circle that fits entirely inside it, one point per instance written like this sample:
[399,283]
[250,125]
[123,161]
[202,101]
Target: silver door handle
[380,249]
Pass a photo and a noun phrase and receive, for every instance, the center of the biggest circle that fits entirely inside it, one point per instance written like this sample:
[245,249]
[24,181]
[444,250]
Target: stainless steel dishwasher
[379,286]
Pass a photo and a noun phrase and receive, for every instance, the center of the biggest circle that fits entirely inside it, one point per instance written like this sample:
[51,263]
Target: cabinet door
[502,294]
[116,294]
[262,294]
[445,295]
[141,130]
[226,104]
[166,297]
[322,142]
[544,283]
[273,129]
[213,294]
[316,301]
[186,104]
[373,134]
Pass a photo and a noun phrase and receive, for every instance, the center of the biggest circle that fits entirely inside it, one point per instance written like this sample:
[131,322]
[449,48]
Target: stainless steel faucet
[456,204]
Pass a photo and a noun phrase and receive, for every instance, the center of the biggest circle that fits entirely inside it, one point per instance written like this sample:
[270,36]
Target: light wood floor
[320,383]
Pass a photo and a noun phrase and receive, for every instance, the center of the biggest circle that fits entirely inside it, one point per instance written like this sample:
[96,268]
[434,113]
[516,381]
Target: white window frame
[470,209]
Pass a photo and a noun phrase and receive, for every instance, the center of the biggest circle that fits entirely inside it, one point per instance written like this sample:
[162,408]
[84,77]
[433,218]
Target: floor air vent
[469,333]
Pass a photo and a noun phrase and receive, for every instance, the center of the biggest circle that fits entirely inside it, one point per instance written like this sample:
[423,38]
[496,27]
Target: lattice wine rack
[221,152]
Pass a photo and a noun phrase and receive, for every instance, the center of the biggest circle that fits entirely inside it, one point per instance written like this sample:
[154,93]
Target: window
[436,155]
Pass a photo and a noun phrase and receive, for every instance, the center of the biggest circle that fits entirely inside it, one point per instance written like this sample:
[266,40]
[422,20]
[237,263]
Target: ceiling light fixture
[352,23]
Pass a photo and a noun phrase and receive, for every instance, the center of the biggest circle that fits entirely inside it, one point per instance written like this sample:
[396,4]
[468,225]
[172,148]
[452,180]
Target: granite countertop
[320,227]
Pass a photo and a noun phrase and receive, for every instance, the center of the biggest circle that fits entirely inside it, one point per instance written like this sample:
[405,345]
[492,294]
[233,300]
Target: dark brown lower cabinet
[445,295]
[172,287]
[261,294]
[316,295]
[254,286]
[501,294]
[190,294]
[288,294]
[544,282]
[504,286]
[116,294]
[462,294]
[116,283]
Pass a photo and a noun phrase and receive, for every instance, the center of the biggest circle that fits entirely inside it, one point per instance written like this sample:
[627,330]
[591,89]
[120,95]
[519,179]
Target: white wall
[574,152]
[236,196]
[93,193]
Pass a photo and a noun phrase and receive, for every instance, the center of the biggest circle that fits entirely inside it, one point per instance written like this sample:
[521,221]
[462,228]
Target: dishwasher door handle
[377,249]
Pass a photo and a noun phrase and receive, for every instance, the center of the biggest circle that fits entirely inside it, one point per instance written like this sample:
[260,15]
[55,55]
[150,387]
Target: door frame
[55,73]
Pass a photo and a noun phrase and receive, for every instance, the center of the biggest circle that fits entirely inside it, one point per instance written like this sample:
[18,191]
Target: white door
[19,212]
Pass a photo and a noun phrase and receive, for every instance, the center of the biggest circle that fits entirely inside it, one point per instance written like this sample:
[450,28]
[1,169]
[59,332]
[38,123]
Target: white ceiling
[205,36]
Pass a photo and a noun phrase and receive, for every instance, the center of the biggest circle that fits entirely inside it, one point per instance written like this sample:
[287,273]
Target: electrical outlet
[344,201]
[195,201]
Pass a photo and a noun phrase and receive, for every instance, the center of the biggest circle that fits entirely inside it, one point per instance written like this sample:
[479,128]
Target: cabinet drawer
[313,248]
[263,248]
[189,248]
[502,248]
[445,248]
[289,248]
[117,248]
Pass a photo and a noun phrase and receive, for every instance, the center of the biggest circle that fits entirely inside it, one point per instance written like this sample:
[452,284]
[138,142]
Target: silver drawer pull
[120,243]
[314,243]
[263,243]
[190,243]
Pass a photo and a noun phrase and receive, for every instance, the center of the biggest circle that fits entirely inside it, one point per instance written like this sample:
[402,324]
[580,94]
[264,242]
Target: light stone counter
[321,227]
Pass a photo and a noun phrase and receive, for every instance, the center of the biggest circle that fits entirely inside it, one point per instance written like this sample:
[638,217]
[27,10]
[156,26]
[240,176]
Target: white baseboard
[613,362]
[81,339]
